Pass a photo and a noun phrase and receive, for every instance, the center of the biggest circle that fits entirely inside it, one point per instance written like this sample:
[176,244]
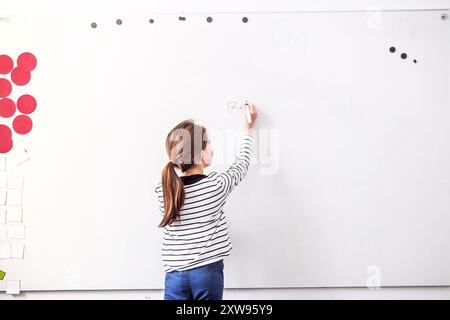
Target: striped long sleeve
[238,170]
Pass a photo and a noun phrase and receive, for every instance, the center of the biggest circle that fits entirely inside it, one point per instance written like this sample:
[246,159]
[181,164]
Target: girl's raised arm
[238,170]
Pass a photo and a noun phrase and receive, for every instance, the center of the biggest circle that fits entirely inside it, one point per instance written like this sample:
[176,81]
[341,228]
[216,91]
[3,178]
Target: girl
[196,237]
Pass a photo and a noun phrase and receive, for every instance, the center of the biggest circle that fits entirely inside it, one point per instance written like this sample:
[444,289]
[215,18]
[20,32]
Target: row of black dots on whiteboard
[119,22]
[210,19]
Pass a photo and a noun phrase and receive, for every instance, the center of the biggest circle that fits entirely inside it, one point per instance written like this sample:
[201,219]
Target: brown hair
[184,144]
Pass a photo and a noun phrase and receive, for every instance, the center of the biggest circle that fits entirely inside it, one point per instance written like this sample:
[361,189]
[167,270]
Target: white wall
[12,7]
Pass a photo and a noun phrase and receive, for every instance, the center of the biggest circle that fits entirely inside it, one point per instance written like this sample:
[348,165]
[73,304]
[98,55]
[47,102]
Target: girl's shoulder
[216,178]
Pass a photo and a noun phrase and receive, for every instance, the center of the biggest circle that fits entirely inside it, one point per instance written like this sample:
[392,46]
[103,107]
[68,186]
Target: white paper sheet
[14,214]
[2,197]
[2,215]
[12,286]
[16,231]
[17,250]
[3,232]
[3,181]
[15,182]
[5,251]
[14,198]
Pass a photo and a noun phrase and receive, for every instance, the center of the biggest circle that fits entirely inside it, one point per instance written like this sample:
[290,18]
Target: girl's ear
[202,156]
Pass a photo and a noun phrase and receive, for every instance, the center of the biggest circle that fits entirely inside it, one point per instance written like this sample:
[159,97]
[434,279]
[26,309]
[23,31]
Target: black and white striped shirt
[201,236]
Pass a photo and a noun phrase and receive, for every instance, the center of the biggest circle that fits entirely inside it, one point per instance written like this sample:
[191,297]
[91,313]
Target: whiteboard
[352,184]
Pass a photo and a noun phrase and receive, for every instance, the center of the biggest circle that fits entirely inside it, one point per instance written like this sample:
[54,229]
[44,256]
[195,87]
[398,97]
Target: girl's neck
[195,170]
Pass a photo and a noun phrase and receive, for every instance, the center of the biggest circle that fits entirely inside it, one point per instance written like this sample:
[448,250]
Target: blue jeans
[202,283]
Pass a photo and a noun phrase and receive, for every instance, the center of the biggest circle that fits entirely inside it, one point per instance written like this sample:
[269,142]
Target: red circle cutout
[5,131]
[26,104]
[22,124]
[7,108]
[27,62]
[6,144]
[20,77]
[6,64]
[5,88]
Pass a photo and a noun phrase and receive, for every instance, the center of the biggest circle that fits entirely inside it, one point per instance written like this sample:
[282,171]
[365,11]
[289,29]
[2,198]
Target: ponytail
[173,193]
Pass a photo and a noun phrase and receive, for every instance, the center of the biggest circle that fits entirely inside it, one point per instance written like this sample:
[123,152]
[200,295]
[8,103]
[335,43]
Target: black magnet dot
[181,18]
[119,22]
[392,49]
[244,19]
[151,20]
[93,25]
[415,61]
[209,19]
[403,55]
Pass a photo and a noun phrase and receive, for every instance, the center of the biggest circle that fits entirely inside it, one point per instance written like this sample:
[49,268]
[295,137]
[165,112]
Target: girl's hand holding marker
[251,114]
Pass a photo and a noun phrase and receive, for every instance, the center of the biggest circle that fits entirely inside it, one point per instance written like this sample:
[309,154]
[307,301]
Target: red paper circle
[20,77]
[27,62]
[6,64]
[22,124]
[7,108]
[5,131]
[26,104]
[6,144]
[5,88]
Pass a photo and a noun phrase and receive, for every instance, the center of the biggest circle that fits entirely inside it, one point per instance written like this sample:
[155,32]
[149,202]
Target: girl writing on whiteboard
[195,228]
